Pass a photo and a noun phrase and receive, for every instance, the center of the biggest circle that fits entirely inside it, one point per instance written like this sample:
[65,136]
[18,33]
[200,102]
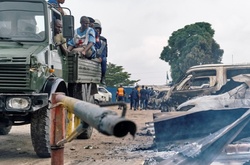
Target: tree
[189,46]
[116,76]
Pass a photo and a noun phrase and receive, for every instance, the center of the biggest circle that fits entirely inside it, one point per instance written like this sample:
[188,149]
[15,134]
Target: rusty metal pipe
[105,121]
[57,132]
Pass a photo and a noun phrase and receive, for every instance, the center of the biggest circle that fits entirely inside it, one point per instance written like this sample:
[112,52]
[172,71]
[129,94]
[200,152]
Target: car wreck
[156,95]
[199,81]
[155,100]
[208,124]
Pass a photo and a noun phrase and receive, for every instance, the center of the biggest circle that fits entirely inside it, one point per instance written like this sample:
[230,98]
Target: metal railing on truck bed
[82,70]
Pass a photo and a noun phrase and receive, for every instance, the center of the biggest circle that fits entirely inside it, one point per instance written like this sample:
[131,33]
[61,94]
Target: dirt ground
[16,147]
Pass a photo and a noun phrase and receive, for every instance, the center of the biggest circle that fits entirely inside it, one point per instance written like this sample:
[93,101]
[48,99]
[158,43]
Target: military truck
[33,66]
[201,80]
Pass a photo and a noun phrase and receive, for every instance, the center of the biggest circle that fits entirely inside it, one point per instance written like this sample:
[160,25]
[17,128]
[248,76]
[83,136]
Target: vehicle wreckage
[200,80]
[208,124]
[156,99]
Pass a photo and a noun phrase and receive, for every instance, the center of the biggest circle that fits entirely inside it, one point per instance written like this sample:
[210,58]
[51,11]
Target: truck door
[58,59]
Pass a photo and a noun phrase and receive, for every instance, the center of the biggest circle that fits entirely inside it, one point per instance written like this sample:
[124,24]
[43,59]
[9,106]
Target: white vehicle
[103,95]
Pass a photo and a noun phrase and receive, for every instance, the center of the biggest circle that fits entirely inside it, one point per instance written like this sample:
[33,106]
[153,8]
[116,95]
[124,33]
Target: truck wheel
[40,130]
[4,130]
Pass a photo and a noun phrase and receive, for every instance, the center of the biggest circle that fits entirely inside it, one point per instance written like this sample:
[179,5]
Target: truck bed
[82,70]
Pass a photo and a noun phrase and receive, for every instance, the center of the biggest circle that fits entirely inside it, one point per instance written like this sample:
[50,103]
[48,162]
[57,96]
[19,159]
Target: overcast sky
[137,30]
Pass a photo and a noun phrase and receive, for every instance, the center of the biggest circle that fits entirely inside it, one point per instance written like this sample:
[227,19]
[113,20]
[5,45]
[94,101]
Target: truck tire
[40,130]
[4,130]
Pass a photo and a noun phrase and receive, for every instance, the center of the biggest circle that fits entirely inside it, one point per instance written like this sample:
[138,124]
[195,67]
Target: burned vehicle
[156,96]
[199,81]
[151,100]
[155,101]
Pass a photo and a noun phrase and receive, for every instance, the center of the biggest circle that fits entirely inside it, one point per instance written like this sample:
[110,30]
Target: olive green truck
[32,67]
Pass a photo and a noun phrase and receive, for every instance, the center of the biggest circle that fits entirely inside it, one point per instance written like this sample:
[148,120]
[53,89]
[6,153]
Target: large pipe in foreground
[105,121]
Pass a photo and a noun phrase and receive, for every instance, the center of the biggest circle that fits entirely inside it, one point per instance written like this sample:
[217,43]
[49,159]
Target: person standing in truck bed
[83,40]
[101,49]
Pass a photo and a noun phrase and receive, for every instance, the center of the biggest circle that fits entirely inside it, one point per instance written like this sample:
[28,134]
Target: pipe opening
[122,128]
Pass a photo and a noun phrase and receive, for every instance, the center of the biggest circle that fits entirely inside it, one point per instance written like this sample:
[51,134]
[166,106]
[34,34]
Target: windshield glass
[21,21]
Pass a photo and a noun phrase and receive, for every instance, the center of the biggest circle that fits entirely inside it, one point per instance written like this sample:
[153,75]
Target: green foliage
[116,76]
[189,46]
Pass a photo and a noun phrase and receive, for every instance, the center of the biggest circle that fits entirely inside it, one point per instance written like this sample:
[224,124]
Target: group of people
[139,98]
[87,40]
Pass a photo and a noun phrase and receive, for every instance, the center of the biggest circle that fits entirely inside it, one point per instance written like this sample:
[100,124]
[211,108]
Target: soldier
[101,49]
[143,94]
[135,97]
[147,97]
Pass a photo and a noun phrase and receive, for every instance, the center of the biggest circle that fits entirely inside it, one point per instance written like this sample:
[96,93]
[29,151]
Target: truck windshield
[22,21]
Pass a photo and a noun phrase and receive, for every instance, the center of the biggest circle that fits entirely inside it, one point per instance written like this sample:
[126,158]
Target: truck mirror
[68,26]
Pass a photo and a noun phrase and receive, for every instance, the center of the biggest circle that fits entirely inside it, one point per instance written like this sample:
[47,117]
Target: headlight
[18,103]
